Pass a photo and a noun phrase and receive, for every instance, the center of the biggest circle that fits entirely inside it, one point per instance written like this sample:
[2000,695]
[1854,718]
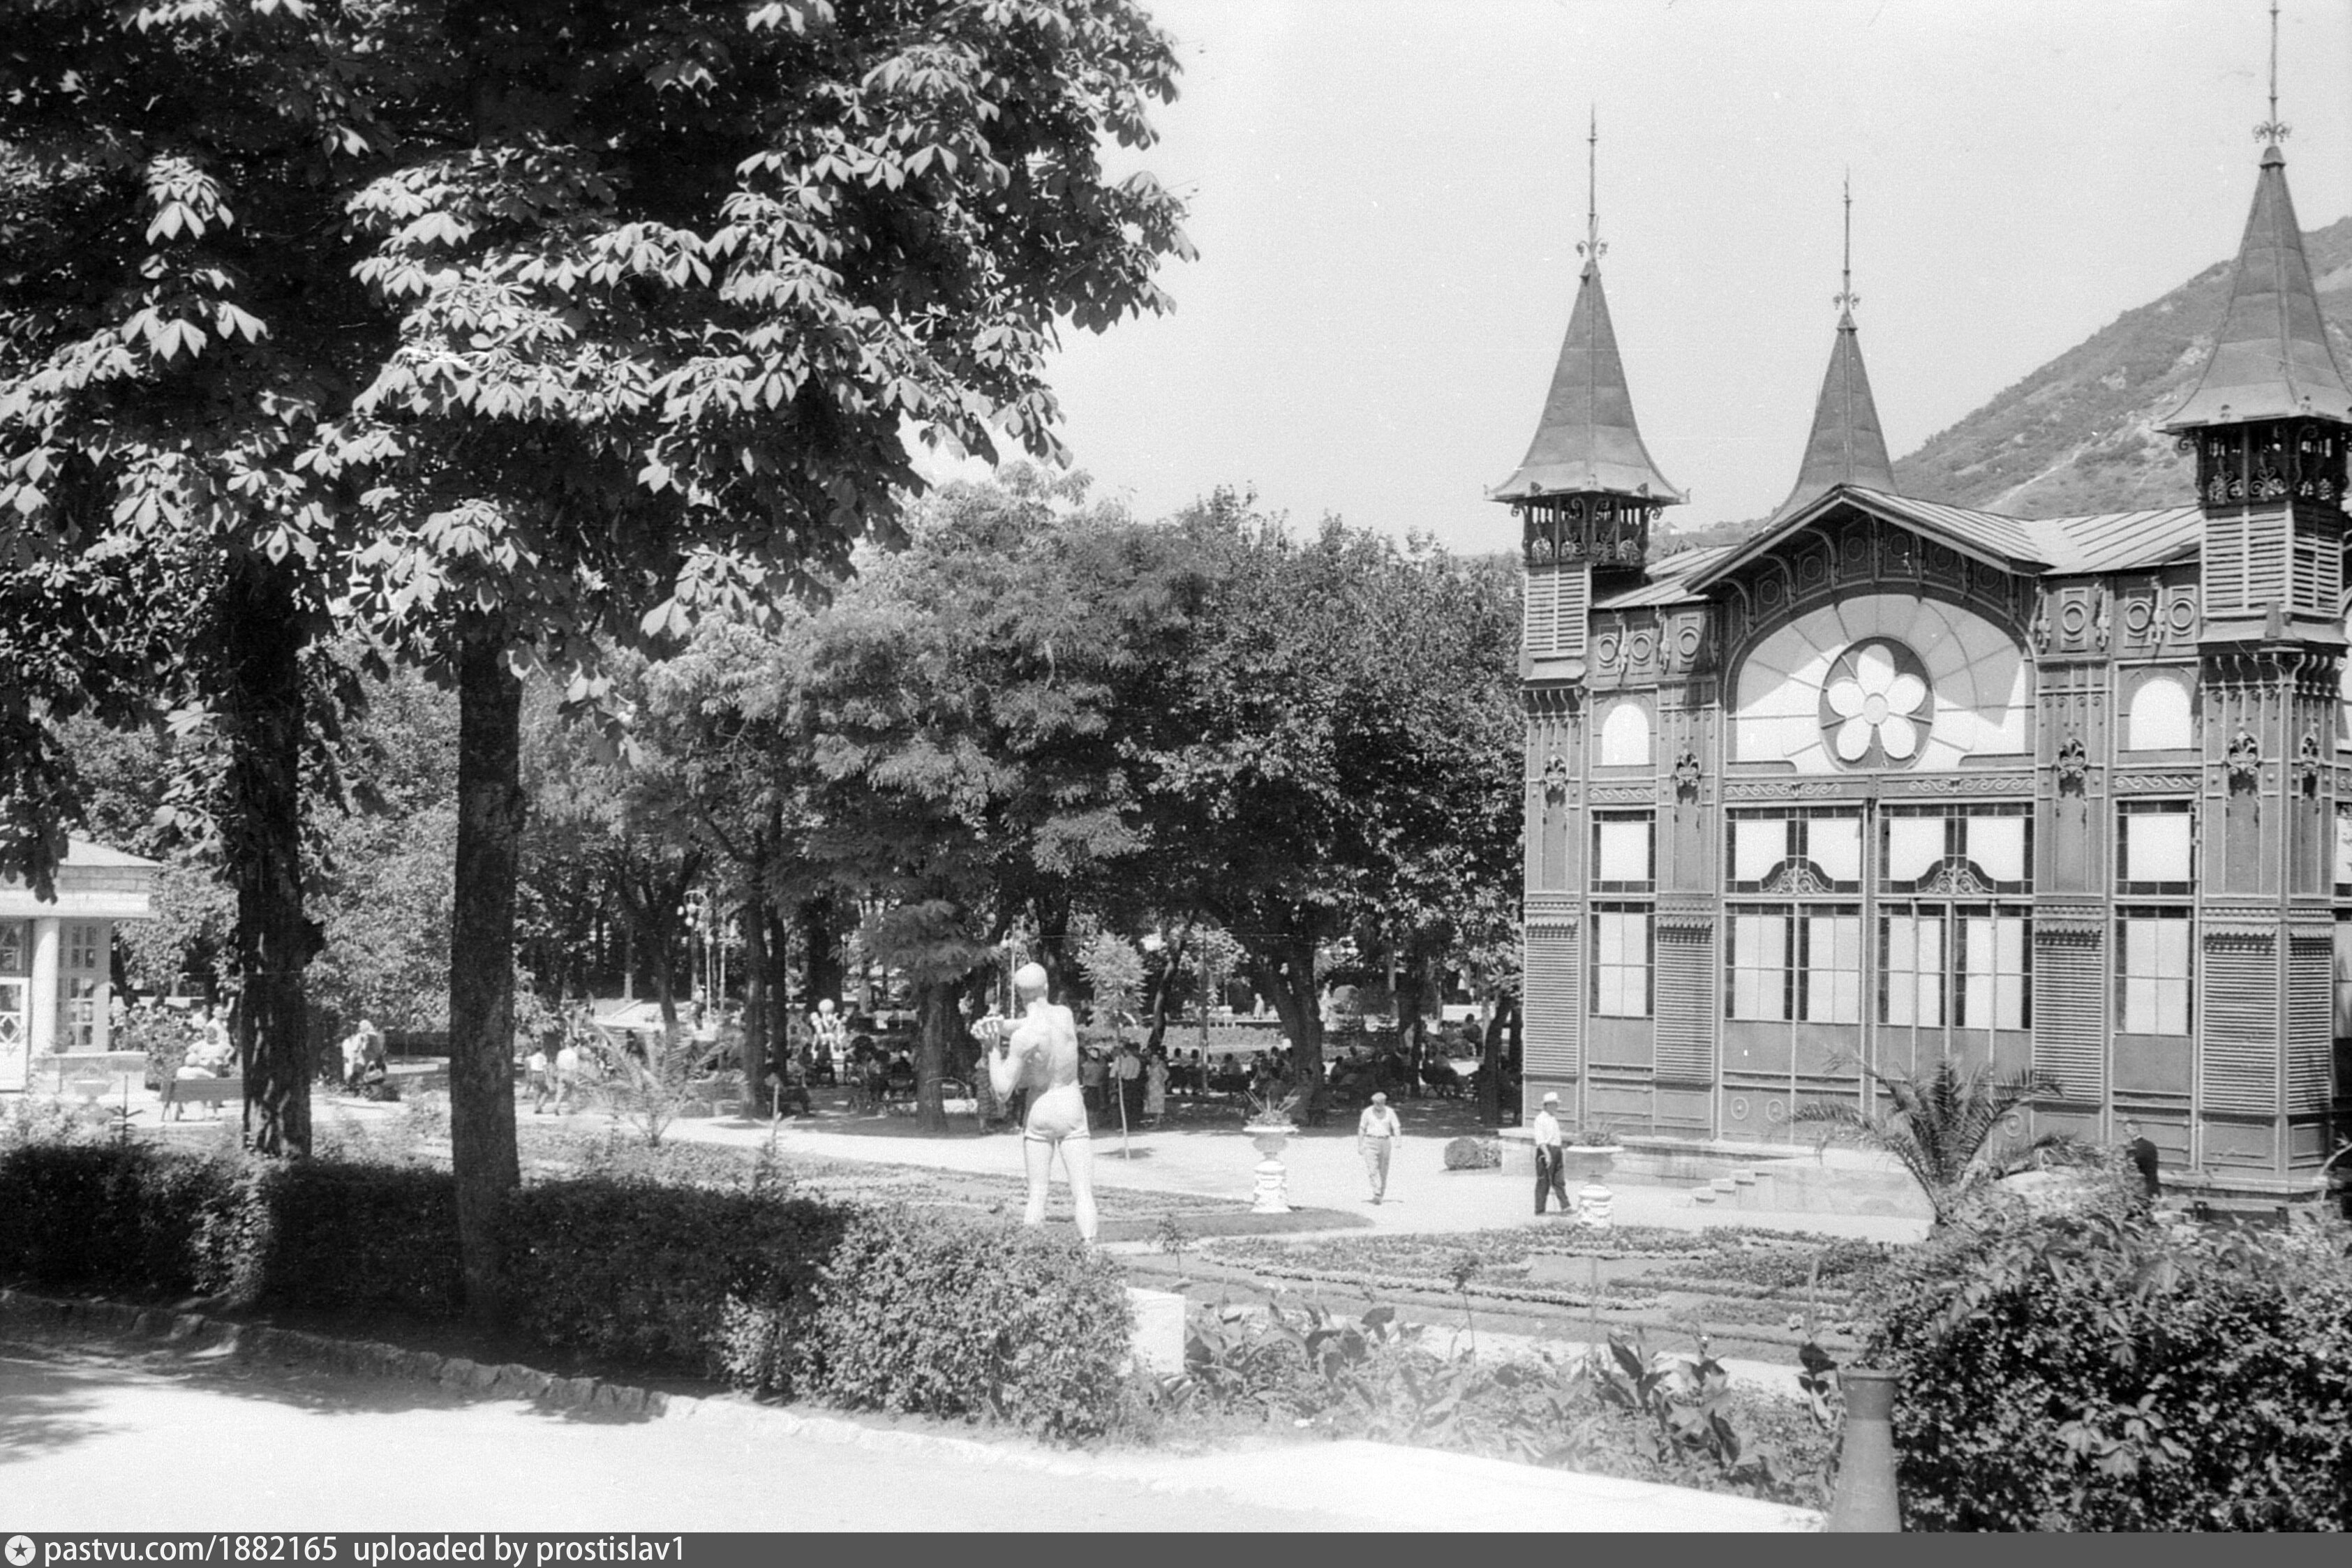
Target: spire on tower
[1847,445]
[2271,359]
[1593,249]
[1586,442]
[2273,129]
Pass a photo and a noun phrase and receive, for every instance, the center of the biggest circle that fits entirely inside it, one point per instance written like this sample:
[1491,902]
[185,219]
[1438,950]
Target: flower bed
[1617,1413]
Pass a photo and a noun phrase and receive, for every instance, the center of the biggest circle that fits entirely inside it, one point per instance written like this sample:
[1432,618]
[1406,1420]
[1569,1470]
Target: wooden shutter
[2240,1067]
[1553,981]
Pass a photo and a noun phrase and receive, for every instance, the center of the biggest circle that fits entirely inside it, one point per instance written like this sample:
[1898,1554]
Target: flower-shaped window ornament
[1874,707]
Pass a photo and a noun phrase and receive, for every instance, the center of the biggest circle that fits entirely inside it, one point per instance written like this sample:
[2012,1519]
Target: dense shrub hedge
[886,1308]
[118,1220]
[2104,1371]
[333,1237]
[645,1272]
[919,1313]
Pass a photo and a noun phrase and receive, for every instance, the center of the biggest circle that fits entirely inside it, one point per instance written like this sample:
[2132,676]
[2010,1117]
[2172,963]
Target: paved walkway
[1325,1171]
[96,1439]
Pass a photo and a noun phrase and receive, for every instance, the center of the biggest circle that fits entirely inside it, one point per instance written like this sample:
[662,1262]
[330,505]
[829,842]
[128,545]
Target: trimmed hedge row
[868,1307]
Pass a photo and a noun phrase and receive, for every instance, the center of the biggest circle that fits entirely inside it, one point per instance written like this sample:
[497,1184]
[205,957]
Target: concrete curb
[1228,1474]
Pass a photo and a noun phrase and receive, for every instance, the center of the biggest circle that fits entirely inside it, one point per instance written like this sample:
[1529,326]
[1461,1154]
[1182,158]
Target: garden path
[346,1453]
[1325,1172]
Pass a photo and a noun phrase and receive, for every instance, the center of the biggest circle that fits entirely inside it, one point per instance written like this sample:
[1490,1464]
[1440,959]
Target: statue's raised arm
[1006,1066]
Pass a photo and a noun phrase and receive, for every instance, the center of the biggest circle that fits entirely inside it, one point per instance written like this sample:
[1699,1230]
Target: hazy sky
[1387,196]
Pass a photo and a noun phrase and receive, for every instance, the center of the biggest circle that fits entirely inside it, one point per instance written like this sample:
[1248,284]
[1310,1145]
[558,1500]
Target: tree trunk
[1284,973]
[756,1052]
[822,935]
[936,1023]
[1173,956]
[1052,916]
[1490,1074]
[481,964]
[262,637]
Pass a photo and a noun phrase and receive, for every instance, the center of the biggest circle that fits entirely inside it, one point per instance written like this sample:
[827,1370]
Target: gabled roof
[2028,547]
[2270,359]
[2006,543]
[84,855]
[1587,440]
[1847,445]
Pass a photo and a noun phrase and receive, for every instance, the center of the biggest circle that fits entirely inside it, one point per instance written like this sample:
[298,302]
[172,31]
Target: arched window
[2157,720]
[1882,681]
[1625,736]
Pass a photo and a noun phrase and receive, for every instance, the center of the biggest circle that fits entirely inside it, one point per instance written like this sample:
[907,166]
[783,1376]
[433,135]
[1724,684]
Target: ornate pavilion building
[1894,780]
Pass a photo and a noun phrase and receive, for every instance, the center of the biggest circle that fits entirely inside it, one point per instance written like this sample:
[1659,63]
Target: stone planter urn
[1271,1191]
[1589,1163]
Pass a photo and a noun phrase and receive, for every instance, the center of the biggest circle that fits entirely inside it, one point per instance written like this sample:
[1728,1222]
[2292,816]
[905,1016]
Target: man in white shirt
[1548,1176]
[1376,1133]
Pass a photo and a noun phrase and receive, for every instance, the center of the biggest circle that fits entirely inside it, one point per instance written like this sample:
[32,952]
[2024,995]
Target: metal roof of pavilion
[1587,440]
[2098,542]
[2120,542]
[1668,582]
[2270,359]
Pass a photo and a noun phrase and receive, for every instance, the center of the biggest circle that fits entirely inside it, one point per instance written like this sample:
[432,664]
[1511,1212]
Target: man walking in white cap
[1376,1133]
[1549,1159]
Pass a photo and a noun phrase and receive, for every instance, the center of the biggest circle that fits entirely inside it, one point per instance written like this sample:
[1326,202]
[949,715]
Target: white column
[101,1028]
[43,1008]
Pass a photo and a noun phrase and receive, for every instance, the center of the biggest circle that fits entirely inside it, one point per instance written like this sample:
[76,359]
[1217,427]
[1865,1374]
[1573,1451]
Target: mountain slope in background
[2080,433]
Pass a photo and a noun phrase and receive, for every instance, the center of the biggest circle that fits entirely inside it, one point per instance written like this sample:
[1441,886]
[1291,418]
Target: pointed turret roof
[1587,439]
[1847,445]
[2270,359]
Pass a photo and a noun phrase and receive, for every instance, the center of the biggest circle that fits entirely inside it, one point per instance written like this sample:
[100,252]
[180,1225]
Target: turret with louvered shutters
[1587,492]
[2268,425]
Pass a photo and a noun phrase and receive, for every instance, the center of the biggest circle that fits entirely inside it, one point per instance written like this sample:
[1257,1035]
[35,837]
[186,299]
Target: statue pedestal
[1271,1192]
[1594,1203]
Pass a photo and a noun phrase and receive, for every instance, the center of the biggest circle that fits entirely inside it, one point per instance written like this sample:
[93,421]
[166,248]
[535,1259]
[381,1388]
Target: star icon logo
[20,1551]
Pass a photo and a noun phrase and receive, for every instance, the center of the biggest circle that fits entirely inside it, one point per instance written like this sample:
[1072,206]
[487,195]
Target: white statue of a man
[1039,1051]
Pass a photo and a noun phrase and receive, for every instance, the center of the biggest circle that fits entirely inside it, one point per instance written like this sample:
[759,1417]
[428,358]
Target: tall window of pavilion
[2156,852]
[1624,883]
[1954,933]
[1793,948]
[83,979]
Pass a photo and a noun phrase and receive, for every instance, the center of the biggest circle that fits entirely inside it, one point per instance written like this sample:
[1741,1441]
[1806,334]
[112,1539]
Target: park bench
[212,1091]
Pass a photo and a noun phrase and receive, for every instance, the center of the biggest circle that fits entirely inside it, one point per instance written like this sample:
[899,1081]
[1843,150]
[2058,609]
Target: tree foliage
[1331,743]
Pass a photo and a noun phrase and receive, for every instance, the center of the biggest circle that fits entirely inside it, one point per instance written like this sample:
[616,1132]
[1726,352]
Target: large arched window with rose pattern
[1882,682]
